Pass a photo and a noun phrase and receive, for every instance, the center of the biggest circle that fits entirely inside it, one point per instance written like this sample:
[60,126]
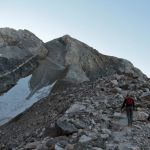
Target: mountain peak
[66,39]
[66,36]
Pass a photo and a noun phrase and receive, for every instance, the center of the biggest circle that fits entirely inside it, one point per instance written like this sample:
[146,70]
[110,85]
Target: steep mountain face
[85,63]
[20,52]
[64,59]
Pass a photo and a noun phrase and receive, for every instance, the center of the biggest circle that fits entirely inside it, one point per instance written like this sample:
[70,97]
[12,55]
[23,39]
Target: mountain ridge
[84,63]
[82,112]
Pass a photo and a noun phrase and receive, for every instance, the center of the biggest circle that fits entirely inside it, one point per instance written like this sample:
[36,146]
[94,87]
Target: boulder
[32,145]
[145,96]
[75,108]
[65,126]
[84,139]
[140,115]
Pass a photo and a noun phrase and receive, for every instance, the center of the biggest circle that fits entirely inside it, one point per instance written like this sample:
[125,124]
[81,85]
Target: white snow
[14,101]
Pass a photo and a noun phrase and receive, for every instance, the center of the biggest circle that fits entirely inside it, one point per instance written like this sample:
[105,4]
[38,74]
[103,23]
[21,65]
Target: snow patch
[14,101]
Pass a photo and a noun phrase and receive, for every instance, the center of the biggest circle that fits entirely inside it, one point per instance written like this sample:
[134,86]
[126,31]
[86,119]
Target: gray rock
[32,145]
[69,51]
[79,124]
[69,147]
[114,82]
[106,131]
[20,43]
[41,147]
[116,90]
[20,53]
[97,148]
[141,116]
[111,147]
[145,96]
[58,147]
[65,126]
[133,148]
[84,139]
[117,115]
[50,143]
[104,136]
[76,108]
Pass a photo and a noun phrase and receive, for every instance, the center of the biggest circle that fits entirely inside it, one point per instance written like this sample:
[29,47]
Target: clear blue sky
[114,27]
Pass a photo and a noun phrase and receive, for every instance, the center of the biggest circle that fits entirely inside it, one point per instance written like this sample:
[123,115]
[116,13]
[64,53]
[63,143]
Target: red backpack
[129,101]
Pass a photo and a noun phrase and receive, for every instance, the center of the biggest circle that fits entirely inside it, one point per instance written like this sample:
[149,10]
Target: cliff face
[86,63]
[20,52]
[65,59]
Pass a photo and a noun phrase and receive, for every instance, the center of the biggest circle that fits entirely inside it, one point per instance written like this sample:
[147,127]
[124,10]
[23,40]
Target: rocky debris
[82,116]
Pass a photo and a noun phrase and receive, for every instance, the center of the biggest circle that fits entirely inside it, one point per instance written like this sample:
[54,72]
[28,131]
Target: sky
[118,28]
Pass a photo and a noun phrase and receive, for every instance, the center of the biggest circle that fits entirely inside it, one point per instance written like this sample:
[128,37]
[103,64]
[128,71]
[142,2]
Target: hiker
[129,105]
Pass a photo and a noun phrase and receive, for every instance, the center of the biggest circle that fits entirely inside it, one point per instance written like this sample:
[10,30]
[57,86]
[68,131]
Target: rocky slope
[84,116]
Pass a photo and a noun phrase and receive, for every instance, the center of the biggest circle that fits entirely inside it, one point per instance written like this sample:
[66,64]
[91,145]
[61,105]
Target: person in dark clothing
[129,105]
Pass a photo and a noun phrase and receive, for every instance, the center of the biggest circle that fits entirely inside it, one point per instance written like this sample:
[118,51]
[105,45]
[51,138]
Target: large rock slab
[85,62]
[65,126]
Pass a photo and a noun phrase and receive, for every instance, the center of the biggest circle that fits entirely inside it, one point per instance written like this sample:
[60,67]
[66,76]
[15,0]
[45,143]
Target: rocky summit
[82,112]
[86,63]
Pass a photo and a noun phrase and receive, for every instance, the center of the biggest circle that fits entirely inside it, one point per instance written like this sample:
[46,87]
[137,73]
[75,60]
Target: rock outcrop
[86,63]
[20,52]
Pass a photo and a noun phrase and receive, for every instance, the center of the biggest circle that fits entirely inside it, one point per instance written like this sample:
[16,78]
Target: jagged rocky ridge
[65,59]
[86,63]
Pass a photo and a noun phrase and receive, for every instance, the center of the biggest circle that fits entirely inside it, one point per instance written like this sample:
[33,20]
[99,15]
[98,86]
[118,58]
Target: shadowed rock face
[20,52]
[85,62]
